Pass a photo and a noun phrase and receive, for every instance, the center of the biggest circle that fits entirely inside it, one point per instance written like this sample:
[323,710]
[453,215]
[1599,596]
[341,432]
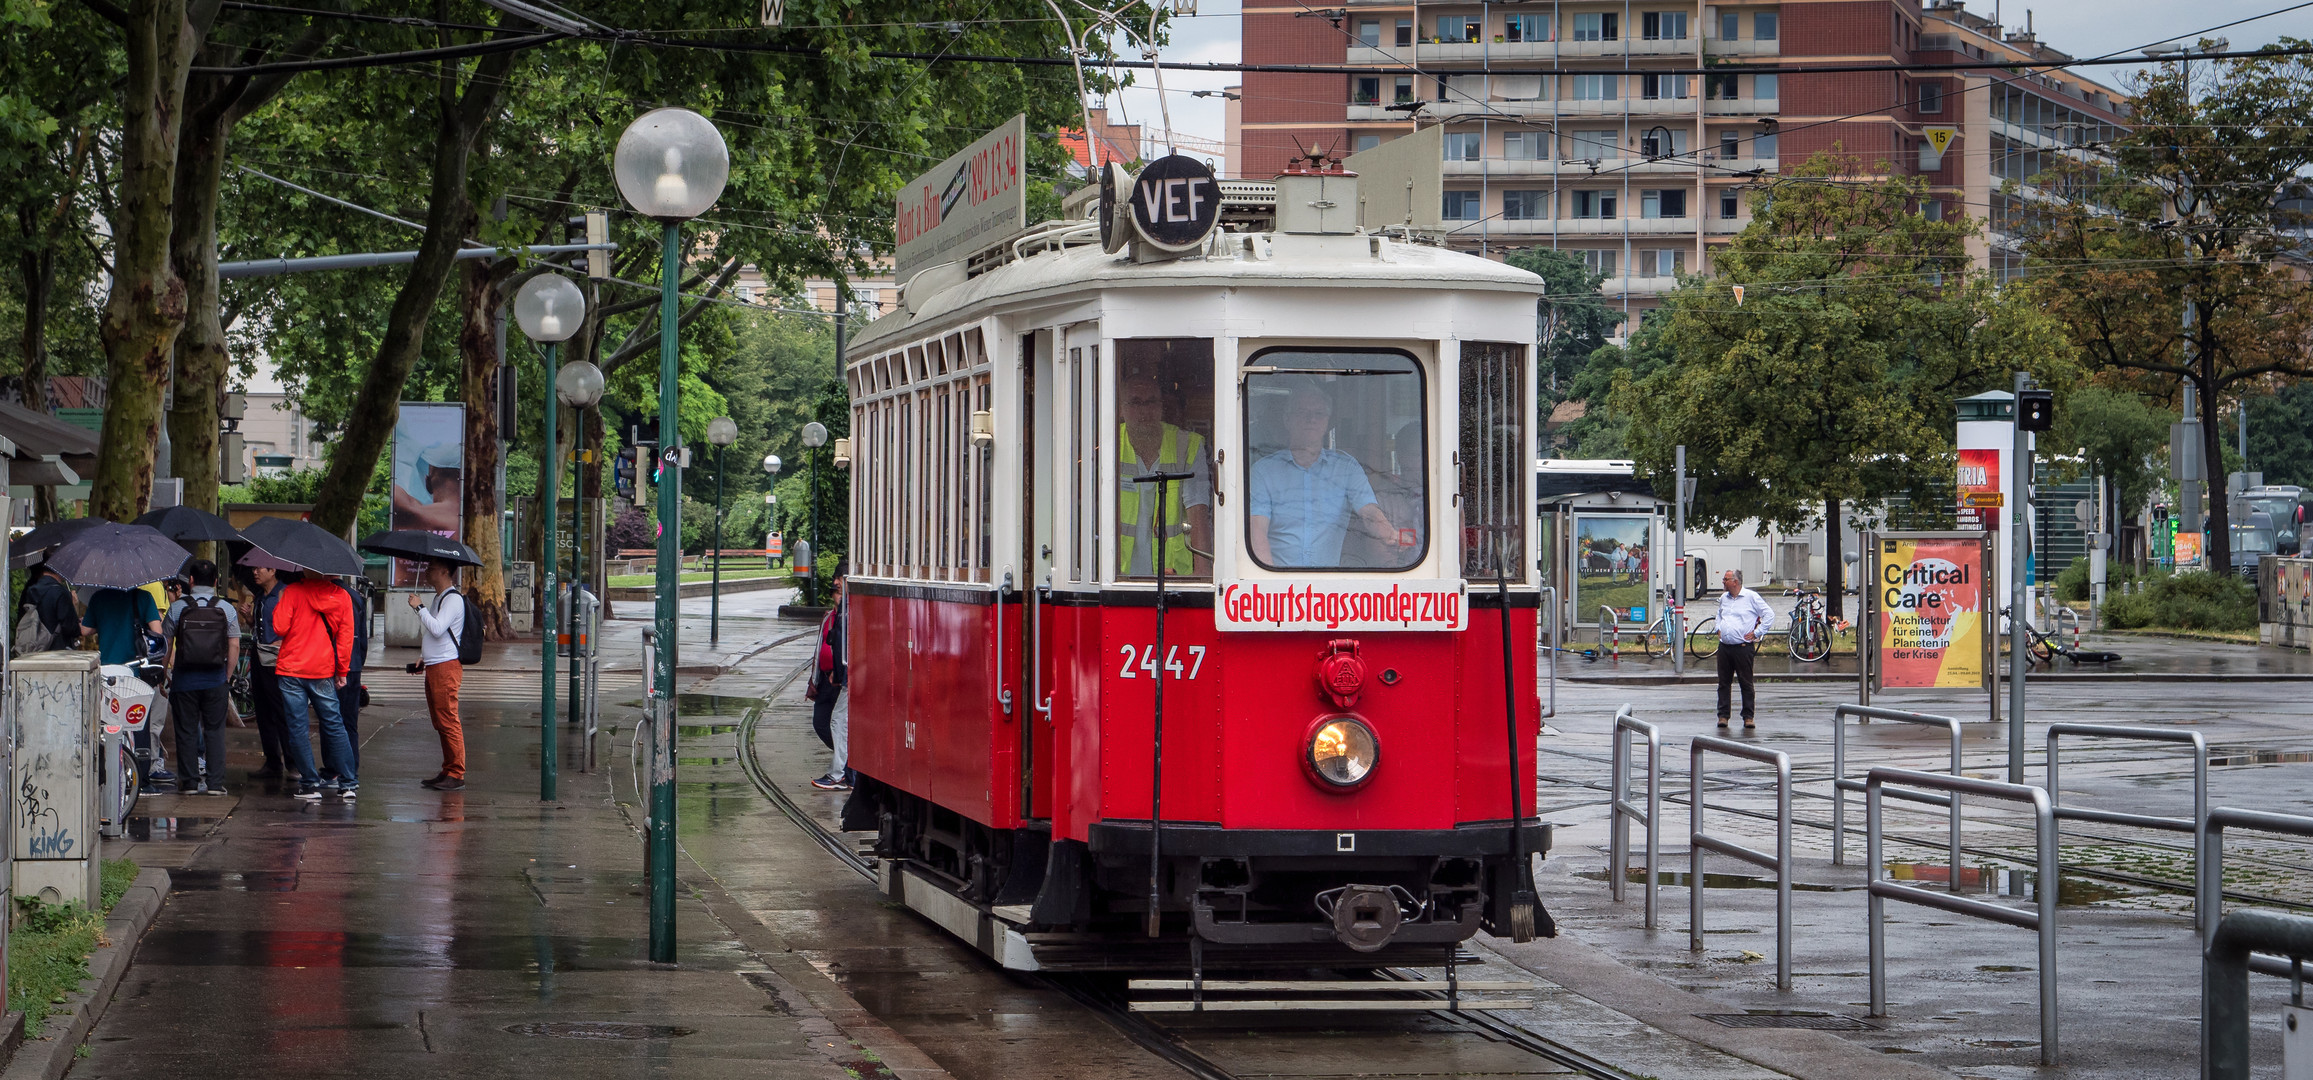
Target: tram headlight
[1343,752]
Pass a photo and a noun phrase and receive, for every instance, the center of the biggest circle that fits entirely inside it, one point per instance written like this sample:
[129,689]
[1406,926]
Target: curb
[47,1057]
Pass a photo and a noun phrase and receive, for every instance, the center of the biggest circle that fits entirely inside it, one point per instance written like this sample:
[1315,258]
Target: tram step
[1333,1005]
[1328,987]
[1351,986]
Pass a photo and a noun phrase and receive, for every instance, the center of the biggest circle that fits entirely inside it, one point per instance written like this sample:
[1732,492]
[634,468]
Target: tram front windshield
[1335,469]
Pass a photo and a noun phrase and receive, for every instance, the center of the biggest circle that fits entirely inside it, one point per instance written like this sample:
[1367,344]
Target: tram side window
[1493,442]
[1164,415]
[1337,474]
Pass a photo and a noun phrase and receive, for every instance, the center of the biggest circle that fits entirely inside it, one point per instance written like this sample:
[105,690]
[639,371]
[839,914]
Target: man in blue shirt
[121,618]
[1305,497]
[200,665]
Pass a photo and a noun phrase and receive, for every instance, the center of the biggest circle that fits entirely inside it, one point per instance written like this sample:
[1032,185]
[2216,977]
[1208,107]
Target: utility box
[403,631]
[53,699]
[2296,1043]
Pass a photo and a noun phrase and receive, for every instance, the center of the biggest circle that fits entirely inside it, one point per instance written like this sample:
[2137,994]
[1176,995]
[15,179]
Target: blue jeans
[317,698]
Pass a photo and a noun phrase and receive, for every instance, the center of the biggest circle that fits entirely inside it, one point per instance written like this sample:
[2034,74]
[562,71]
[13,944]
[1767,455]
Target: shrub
[2191,601]
[2072,584]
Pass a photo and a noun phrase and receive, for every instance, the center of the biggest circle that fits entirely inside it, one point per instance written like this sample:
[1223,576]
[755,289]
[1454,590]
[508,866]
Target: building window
[1730,26]
[1527,27]
[1730,206]
[1662,203]
[1763,25]
[1366,142]
[1763,146]
[1404,90]
[1524,145]
[1593,145]
[1730,146]
[1763,87]
[1656,87]
[1594,204]
[1652,145]
[1368,91]
[1405,31]
[1597,26]
[1525,205]
[1931,97]
[1461,206]
[1663,25]
[1457,28]
[1369,33]
[1464,145]
[1662,262]
[1719,87]
[1598,261]
[1933,210]
[1595,87]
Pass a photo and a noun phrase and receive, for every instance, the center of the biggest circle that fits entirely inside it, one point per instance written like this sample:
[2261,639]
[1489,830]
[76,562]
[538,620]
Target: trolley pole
[1678,611]
[662,742]
[2019,554]
[550,483]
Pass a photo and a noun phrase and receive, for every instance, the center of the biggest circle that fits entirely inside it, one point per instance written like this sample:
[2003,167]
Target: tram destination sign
[973,199]
[1175,203]
[1365,605]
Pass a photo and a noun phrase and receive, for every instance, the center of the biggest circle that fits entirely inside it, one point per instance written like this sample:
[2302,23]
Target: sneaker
[435,782]
[346,791]
[160,776]
[830,783]
[451,784]
[307,792]
[217,790]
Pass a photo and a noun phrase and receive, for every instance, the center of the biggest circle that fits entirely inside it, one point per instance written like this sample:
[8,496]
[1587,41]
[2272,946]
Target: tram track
[1104,1000]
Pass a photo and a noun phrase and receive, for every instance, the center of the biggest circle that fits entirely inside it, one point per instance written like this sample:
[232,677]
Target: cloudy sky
[2078,27]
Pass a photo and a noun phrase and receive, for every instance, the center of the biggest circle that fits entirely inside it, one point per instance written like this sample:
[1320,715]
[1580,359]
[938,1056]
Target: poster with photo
[429,475]
[1613,566]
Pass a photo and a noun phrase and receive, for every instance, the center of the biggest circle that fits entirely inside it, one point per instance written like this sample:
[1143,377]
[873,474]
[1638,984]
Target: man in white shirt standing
[442,622]
[1743,619]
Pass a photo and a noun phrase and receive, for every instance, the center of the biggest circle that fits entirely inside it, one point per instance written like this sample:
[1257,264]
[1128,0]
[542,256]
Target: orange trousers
[442,704]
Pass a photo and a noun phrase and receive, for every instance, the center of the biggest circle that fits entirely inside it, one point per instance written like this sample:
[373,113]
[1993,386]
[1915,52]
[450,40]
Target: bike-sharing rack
[1841,784]
[1626,728]
[1699,841]
[1880,890]
[2196,825]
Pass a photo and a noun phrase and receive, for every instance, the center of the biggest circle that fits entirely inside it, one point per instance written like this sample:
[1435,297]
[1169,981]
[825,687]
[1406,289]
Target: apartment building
[1591,127]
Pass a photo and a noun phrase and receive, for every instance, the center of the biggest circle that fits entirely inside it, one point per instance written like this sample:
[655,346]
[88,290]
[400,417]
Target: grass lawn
[48,951]
[620,581]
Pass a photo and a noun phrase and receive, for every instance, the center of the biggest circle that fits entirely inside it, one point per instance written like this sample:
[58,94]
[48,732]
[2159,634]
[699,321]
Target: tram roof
[1295,260]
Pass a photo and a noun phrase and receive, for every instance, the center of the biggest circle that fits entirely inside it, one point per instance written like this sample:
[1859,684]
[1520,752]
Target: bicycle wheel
[131,779]
[1703,640]
[1810,638]
[2038,650]
[1657,640]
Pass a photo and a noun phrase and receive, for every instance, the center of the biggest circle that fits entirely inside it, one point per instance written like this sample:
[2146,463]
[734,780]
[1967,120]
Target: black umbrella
[188,523]
[117,557]
[421,545]
[303,544]
[26,549]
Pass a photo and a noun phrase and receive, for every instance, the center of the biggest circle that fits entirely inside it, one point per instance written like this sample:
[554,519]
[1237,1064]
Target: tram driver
[1305,497]
[1147,443]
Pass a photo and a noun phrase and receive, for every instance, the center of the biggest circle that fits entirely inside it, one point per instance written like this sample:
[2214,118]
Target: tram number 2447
[1140,658]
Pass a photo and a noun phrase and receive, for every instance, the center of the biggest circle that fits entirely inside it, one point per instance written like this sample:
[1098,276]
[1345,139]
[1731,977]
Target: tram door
[1038,398]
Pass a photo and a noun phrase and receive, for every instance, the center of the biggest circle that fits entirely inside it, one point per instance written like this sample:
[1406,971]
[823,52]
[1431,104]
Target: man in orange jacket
[314,621]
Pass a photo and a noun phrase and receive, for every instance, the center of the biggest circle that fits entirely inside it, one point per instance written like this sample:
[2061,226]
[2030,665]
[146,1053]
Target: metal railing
[1699,841]
[2210,903]
[1627,727]
[1881,890]
[2196,824]
[1841,785]
[2225,984]
[1557,624]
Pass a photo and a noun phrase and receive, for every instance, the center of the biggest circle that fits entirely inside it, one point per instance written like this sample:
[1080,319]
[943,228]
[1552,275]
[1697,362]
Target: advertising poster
[2188,550]
[1979,486]
[1931,612]
[429,475]
[1612,565]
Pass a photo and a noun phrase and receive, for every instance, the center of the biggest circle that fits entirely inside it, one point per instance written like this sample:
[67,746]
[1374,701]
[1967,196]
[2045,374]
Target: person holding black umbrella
[314,620]
[203,636]
[442,622]
[264,681]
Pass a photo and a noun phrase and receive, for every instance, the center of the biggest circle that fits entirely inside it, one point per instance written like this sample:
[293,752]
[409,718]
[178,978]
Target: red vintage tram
[1309,446]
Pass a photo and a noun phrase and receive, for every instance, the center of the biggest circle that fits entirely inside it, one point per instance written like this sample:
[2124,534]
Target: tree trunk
[147,304]
[1834,567]
[377,405]
[2218,554]
[202,364]
[37,265]
[478,300]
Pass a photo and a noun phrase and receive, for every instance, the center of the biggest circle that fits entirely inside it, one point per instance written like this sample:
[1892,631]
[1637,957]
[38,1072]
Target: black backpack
[201,634]
[469,633]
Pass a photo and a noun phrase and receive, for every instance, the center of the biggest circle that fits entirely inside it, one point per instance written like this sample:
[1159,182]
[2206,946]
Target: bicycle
[1654,639]
[1810,633]
[2043,648]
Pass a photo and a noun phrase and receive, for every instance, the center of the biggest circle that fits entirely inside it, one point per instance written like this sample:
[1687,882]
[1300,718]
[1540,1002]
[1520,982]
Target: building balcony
[1608,107]
[1476,52]
[1380,56]
[1742,48]
[1637,286]
[1370,112]
[1590,227]
[1742,107]
[1662,46]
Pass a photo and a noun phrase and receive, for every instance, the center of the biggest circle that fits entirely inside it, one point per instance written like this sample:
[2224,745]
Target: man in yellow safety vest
[1146,443]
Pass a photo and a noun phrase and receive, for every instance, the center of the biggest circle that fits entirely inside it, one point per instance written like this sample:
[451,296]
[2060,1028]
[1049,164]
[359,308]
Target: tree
[2281,435]
[2121,435]
[1832,380]
[1602,431]
[2164,259]
[1572,320]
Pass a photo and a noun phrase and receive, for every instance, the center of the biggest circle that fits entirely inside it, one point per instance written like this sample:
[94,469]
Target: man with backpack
[452,639]
[315,624]
[202,634]
[47,617]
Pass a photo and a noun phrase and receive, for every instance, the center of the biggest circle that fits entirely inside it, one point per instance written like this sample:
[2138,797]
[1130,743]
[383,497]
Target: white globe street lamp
[550,309]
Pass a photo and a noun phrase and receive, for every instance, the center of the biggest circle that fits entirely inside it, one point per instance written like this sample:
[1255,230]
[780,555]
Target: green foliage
[1834,379]
[118,875]
[2122,434]
[49,947]
[2197,600]
[2072,584]
[1604,431]
[1573,321]
[2281,435]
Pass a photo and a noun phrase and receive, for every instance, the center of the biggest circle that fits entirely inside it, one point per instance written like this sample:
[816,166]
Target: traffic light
[2036,410]
[622,476]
